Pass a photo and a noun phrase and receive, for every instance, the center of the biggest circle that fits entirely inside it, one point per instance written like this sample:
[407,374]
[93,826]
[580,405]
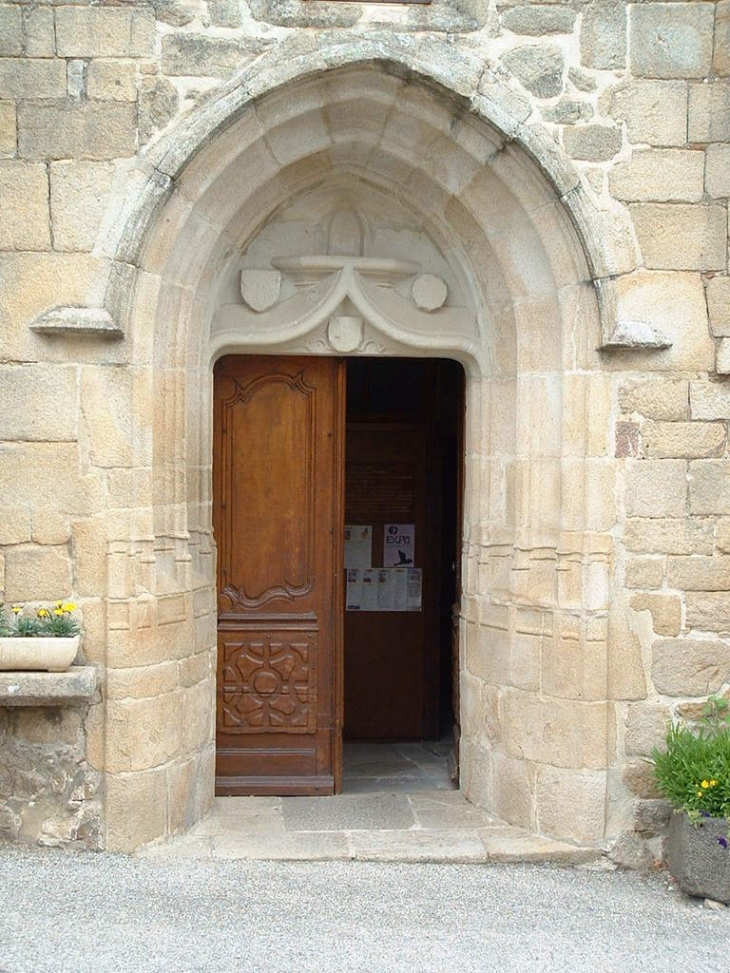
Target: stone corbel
[619,333]
[80,321]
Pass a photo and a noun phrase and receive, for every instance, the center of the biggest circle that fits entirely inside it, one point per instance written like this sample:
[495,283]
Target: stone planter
[697,861]
[50,654]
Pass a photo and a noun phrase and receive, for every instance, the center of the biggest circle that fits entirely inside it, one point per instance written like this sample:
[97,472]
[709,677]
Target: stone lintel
[77,321]
[70,688]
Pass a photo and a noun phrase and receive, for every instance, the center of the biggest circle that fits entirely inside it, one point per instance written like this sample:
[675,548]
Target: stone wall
[102,497]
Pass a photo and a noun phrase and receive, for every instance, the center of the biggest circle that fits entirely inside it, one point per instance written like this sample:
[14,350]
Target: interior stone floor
[397,804]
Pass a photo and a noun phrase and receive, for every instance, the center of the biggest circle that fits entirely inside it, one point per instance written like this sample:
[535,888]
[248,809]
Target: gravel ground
[102,913]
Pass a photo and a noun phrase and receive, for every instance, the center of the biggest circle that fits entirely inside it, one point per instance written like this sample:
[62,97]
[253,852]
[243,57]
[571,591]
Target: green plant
[55,622]
[694,771]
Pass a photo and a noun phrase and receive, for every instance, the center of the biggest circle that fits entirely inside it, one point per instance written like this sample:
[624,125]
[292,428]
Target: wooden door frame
[338,695]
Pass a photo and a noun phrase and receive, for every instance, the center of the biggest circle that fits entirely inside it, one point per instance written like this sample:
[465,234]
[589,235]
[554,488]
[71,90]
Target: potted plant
[694,775]
[45,639]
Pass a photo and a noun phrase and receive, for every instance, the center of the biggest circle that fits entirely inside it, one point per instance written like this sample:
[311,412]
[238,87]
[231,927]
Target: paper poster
[383,590]
[358,546]
[353,594]
[415,586]
[369,590]
[399,545]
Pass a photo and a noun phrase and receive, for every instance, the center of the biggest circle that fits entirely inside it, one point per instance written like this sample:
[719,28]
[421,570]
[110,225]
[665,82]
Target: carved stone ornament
[260,289]
[429,292]
[345,333]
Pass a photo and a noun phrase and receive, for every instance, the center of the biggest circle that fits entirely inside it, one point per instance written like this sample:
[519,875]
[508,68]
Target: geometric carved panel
[269,683]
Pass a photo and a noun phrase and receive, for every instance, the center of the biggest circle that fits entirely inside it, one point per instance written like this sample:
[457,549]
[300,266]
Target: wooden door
[278,517]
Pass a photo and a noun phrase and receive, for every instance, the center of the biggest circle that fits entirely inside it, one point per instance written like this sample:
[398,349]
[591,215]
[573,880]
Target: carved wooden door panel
[278,515]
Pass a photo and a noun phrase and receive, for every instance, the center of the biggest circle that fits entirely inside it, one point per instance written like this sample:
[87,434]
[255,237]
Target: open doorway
[403,489]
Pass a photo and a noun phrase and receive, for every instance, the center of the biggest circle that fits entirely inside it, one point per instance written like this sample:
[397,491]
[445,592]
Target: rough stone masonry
[575,156]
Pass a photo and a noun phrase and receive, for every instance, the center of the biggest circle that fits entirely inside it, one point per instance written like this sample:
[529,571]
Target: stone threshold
[427,826]
[76,685]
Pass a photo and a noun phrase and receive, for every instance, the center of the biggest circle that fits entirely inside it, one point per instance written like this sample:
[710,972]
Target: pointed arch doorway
[337,508]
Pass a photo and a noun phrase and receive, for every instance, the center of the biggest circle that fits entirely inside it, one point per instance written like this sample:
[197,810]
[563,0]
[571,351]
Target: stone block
[225,13]
[718,305]
[538,67]
[105,31]
[656,488]
[564,733]
[572,665]
[674,306]
[106,407]
[666,399]
[8,129]
[659,175]
[91,130]
[136,809]
[638,776]
[671,40]
[158,101]
[40,32]
[722,535]
[660,535]
[702,230]
[536,21]
[690,667]
[193,55]
[717,172]
[54,689]
[511,793]
[646,728]
[79,195]
[603,35]
[710,400]
[14,524]
[644,572]
[721,57]
[665,610]
[11,31]
[709,486]
[592,143]
[143,682]
[24,216]
[651,817]
[52,391]
[655,112]
[37,574]
[32,79]
[46,475]
[708,611]
[722,356]
[568,112]
[111,81]
[684,439]
[699,573]
[143,733]
[709,112]
[571,804]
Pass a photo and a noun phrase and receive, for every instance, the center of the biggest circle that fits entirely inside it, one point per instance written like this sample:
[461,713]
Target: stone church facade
[559,172]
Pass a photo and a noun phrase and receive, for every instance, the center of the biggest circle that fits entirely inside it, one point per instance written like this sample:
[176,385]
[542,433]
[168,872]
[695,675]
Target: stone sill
[70,688]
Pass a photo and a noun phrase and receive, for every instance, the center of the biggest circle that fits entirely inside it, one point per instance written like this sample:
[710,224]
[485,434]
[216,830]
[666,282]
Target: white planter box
[50,654]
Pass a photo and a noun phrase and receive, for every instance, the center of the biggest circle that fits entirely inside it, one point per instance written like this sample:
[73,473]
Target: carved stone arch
[520,312]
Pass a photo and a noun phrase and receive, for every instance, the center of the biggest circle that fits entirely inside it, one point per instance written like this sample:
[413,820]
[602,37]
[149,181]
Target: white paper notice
[415,578]
[353,595]
[369,601]
[358,546]
[399,545]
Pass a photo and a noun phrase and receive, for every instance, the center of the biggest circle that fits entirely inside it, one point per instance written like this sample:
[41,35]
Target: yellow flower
[43,613]
[58,611]
[59,604]
[17,609]
[68,606]
[713,782]
[705,784]
[700,793]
